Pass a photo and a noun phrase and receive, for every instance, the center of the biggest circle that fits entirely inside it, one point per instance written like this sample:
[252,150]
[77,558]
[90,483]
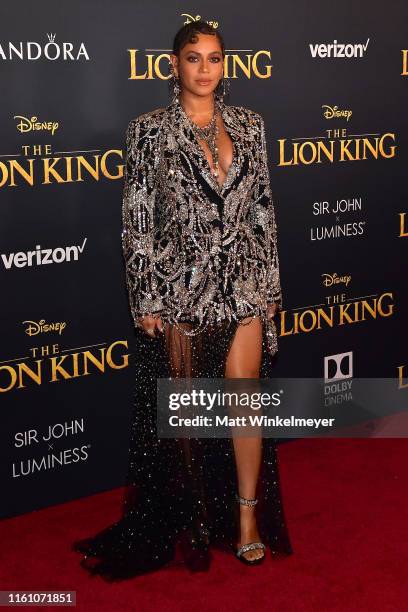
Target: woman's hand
[151,325]
[271,310]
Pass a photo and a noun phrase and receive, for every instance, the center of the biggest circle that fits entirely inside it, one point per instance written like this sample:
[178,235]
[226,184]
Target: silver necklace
[209,134]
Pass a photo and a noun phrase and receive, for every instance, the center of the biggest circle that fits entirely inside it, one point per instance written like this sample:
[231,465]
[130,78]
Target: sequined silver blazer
[195,251]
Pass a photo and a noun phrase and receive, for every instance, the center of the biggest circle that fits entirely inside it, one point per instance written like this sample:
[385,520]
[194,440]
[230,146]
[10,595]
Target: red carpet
[346,504]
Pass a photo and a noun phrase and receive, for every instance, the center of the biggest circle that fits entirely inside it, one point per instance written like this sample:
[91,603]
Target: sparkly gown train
[181,491]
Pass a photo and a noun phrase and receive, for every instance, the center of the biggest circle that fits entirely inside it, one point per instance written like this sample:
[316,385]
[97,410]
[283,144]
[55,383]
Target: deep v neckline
[201,152]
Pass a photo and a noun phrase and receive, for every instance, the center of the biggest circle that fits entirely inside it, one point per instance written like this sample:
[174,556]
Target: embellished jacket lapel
[189,145]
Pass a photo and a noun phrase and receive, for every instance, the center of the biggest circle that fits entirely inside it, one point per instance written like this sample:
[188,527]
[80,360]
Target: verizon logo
[336,49]
[41,257]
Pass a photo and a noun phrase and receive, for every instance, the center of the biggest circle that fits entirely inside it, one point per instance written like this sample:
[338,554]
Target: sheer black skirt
[181,491]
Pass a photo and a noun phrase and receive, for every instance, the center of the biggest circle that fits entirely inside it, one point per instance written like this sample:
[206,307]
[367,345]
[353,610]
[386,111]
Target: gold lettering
[100,364]
[93,171]
[401,385]
[125,360]
[340,313]
[13,377]
[36,377]
[14,165]
[403,230]
[56,367]
[133,70]
[119,167]
[78,365]
[49,170]
[349,149]
[404,62]
[268,67]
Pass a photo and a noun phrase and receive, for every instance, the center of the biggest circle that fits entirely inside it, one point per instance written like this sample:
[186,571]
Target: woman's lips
[202,82]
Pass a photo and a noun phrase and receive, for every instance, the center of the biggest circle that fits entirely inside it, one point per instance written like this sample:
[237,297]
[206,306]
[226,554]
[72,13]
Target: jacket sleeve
[138,221]
[265,220]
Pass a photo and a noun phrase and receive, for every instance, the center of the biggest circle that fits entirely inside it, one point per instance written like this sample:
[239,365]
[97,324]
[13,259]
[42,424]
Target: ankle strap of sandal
[244,501]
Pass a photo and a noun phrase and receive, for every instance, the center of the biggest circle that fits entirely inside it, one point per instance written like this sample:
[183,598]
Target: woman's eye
[213,59]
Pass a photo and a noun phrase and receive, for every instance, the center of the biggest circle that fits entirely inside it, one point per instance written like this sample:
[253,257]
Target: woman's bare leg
[244,361]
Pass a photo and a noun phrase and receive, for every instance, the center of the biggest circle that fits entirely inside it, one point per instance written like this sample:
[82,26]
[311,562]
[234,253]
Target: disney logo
[332,112]
[30,125]
[191,18]
[35,328]
[335,279]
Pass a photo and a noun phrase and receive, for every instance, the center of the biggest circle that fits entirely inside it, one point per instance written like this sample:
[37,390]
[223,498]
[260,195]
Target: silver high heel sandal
[251,545]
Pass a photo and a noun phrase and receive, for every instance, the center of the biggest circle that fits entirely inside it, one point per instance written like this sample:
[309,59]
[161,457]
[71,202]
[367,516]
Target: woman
[202,271]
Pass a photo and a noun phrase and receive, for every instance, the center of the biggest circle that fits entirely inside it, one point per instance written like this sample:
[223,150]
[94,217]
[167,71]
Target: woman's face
[200,65]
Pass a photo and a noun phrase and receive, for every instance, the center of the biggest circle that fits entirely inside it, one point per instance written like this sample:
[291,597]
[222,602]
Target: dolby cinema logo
[338,367]
[338,379]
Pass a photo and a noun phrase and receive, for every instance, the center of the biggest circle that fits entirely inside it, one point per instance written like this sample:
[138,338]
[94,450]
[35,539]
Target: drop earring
[222,89]
[174,84]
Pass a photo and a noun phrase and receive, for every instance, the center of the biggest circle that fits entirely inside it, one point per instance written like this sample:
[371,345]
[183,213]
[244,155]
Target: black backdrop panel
[323,75]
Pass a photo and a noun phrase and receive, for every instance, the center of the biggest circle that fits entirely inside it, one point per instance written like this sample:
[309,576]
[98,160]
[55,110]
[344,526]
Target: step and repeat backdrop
[331,81]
